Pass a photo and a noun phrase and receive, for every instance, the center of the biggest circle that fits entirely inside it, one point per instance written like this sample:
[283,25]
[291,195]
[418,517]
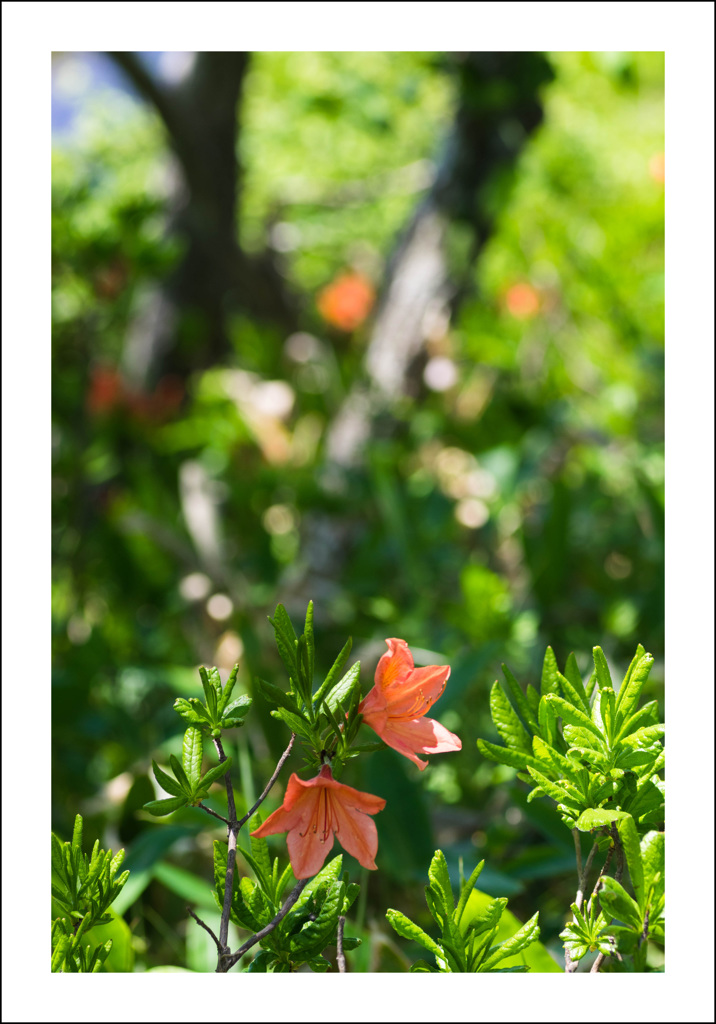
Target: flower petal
[308,851]
[421,689]
[394,667]
[356,832]
[425,735]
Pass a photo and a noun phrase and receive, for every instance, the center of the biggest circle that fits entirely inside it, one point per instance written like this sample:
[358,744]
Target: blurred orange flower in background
[314,812]
[346,301]
[522,301]
[657,168]
[396,705]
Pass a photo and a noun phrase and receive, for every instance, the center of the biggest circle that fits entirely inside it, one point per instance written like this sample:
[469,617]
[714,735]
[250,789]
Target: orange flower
[313,812]
[402,694]
[347,301]
[522,301]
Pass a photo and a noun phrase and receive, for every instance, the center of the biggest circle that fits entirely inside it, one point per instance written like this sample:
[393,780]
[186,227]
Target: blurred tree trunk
[214,277]
[498,108]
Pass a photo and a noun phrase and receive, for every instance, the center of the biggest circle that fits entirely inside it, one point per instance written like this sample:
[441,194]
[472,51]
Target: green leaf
[227,690]
[647,715]
[334,672]
[550,673]
[557,791]
[314,936]
[573,716]
[574,676]
[607,709]
[295,724]
[262,962]
[614,898]
[185,884]
[632,850]
[527,934]
[506,721]
[602,669]
[519,699]
[440,879]
[176,767]
[262,858]
[238,708]
[652,857]
[343,690]
[286,640]
[209,688]
[77,834]
[645,736]
[161,807]
[503,755]
[275,695]
[215,773]
[557,763]
[631,688]
[409,930]
[597,817]
[310,643]
[467,890]
[166,781]
[192,754]
[325,877]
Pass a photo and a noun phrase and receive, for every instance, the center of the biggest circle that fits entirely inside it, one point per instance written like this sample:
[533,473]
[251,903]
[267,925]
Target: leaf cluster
[188,785]
[326,717]
[309,927]
[219,712]
[594,751]
[462,947]
[83,888]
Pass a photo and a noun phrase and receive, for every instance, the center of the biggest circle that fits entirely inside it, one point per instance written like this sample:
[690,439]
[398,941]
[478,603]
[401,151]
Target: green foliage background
[552,438]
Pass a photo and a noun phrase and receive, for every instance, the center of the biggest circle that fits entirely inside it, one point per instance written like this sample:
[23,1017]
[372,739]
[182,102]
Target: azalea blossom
[314,812]
[396,706]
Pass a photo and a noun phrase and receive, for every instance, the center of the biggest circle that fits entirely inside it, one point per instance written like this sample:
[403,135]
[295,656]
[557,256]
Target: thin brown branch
[214,814]
[270,782]
[233,831]
[340,955]
[570,966]
[206,929]
[617,875]
[226,962]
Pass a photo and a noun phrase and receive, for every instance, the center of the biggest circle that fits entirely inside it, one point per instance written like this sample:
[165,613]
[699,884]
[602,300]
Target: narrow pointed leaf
[630,692]
[519,700]
[227,689]
[166,781]
[574,716]
[334,672]
[506,721]
[550,673]
[527,934]
[632,850]
[602,669]
[466,890]
[503,755]
[409,930]
[161,807]
[215,773]
[343,690]
[77,834]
